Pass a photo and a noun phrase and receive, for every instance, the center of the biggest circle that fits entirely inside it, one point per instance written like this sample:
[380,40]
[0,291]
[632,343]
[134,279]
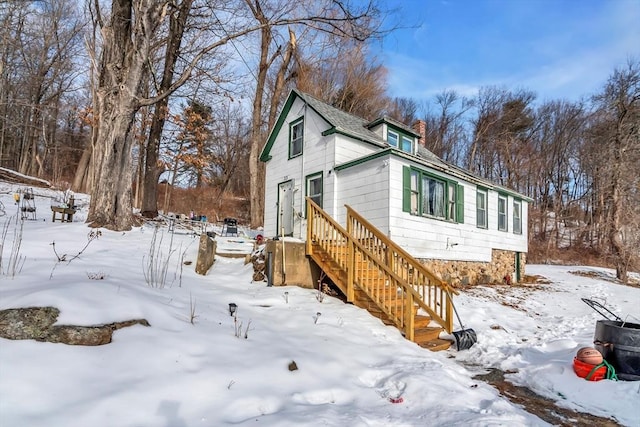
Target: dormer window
[398,140]
[392,138]
[407,144]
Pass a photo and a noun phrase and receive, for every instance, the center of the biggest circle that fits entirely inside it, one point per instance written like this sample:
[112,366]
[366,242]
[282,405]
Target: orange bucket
[583,369]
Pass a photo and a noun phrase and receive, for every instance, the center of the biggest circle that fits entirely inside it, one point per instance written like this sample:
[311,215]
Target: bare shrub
[192,310]
[156,263]
[92,236]
[16,260]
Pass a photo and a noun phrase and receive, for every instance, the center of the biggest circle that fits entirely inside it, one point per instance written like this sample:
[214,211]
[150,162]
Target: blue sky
[557,48]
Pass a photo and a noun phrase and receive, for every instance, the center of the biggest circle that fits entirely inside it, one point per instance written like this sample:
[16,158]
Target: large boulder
[36,323]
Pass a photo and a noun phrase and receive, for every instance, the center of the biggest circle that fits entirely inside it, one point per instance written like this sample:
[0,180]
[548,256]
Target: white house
[465,228]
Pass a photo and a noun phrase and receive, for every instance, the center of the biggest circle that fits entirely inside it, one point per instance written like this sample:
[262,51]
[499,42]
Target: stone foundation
[463,273]
[301,271]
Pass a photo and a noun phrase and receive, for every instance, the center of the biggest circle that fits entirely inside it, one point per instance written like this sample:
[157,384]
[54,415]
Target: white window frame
[452,201]
[296,137]
[316,197]
[434,197]
[503,224]
[481,208]
[517,217]
[405,140]
[396,137]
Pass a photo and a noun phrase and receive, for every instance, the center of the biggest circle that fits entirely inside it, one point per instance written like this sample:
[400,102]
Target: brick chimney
[420,126]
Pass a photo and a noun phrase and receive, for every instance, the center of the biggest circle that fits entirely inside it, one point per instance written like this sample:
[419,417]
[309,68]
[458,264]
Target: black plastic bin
[619,343]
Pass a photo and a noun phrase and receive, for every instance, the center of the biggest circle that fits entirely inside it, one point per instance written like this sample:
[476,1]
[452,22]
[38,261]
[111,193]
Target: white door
[285,208]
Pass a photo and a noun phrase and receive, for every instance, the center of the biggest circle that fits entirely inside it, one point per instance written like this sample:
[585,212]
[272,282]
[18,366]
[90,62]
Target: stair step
[371,283]
[426,334]
[421,321]
[436,345]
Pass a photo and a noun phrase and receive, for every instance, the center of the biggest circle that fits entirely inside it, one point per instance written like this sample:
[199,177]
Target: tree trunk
[152,171]
[256,169]
[81,179]
[126,48]
[111,196]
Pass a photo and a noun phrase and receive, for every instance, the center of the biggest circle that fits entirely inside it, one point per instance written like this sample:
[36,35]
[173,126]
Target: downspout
[303,181]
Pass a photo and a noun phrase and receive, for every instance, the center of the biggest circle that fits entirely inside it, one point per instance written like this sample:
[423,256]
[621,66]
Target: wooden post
[351,265]
[409,323]
[449,316]
[310,224]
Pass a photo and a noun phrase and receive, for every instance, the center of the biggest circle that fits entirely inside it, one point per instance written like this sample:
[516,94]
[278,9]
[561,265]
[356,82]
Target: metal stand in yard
[28,206]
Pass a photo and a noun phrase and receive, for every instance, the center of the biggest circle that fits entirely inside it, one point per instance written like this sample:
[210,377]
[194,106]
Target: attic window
[400,141]
[296,135]
[407,144]
[392,138]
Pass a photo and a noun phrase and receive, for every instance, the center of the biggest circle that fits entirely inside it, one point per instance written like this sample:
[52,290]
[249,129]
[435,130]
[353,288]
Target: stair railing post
[449,305]
[310,225]
[409,323]
[351,258]
[351,265]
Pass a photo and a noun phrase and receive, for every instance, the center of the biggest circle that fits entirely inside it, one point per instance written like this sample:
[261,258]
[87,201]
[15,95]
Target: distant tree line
[578,160]
[115,97]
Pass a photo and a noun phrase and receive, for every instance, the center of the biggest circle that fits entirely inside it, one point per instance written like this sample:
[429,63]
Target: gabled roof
[358,128]
[340,122]
[394,123]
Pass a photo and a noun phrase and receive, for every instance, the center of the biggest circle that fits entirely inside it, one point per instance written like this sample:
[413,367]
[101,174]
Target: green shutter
[406,189]
[460,204]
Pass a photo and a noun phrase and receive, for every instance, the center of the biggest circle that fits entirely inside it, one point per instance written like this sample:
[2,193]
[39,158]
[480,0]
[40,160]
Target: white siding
[432,238]
[317,156]
[374,189]
[348,149]
[365,187]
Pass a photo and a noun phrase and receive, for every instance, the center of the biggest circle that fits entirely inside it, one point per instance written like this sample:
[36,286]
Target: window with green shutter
[429,195]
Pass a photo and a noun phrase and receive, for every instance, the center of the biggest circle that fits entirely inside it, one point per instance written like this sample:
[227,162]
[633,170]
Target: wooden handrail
[432,290]
[391,277]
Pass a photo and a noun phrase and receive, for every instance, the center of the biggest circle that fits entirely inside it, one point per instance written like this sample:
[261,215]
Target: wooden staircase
[376,274]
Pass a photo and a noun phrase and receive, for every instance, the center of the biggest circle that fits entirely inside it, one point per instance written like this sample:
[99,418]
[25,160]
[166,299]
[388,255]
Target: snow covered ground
[351,367]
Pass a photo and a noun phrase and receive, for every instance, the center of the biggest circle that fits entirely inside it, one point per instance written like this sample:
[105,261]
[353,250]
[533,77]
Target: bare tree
[127,47]
[39,47]
[149,162]
[404,110]
[554,179]
[345,77]
[616,140]
[335,18]
[502,133]
[445,125]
